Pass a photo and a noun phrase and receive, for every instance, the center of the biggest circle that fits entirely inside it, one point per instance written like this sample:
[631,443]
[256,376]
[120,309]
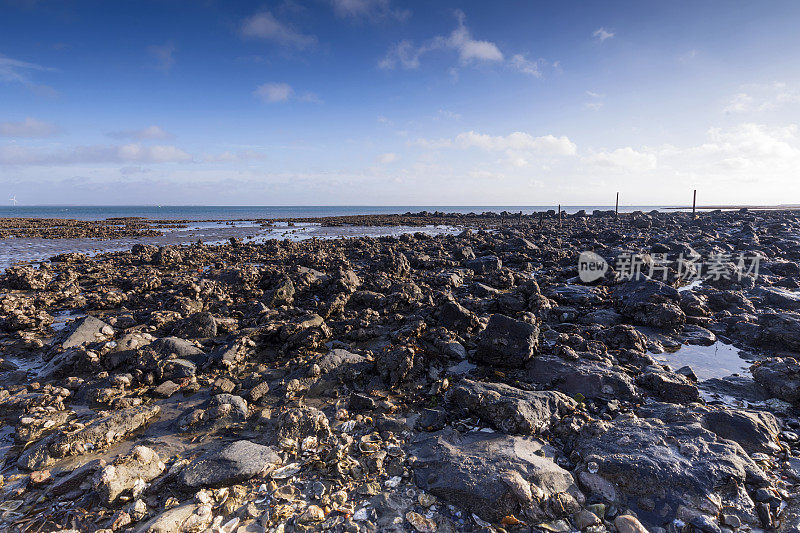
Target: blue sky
[398,103]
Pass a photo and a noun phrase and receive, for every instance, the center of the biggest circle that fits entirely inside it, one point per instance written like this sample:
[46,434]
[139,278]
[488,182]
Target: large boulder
[231,464]
[339,368]
[588,378]
[509,409]
[83,331]
[507,342]
[124,474]
[489,474]
[485,264]
[98,434]
[650,303]
[780,376]
[654,467]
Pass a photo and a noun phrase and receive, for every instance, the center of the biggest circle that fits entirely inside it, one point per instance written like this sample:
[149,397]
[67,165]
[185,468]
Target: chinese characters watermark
[688,268]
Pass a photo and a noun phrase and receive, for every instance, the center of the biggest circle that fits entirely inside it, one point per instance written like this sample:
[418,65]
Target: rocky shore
[467,382]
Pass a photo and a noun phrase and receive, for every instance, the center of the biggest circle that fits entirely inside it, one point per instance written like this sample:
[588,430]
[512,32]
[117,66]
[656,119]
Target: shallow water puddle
[62,318]
[716,361]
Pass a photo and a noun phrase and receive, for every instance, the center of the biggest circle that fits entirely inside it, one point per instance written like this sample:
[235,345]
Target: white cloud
[625,158]
[368,9]
[30,127]
[762,97]
[265,26]
[595,104]
[387,158]
[274,92]
[601,34]
[148,133]
[406,55]
[526,66]
[128,153]
[16,71]
[468,48]
[403,54]
[164,56]
[547,144]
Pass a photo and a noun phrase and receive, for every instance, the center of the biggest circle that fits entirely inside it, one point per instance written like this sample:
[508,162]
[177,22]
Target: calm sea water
[191,212]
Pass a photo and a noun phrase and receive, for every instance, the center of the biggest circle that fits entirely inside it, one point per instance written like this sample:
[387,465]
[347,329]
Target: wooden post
[541,218]
[559,214]
[694,203]
[616,209]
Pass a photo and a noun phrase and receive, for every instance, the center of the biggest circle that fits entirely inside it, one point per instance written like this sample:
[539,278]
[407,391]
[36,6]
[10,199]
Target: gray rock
[98,434]
[650,303]
[231,464]
[509,409]
[82,331]
[488,474]
[339,368]
[301,422]
[670,465]
[115,479]
[196,326]
[780,376]
[485,264]
[590,379]
[507,342]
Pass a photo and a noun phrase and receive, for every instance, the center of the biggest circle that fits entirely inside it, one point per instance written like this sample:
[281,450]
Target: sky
[383,102]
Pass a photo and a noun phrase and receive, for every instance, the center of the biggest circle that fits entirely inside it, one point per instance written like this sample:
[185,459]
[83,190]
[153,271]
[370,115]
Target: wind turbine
[13,200]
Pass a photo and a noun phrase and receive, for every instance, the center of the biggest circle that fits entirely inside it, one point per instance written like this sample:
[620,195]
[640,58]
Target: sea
[212,225]
[238,212]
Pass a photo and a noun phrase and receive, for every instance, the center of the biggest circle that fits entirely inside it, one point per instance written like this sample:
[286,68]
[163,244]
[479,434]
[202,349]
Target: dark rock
[509,409]
[507,342]
[454,467]
[231,464]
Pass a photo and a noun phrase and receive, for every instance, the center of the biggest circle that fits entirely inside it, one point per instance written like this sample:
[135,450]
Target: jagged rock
[622,336]
[196,326]
[509,409]
[98,434]
[339,368]
[300,422]
[231,464]
[669,465]
[485,264]
[141,465]
[780,376]
[455,468]
[507,342]
[650,303]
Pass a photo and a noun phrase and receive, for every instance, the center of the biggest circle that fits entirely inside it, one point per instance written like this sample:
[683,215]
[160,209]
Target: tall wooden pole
[694,203]
[559,214]
[616,209]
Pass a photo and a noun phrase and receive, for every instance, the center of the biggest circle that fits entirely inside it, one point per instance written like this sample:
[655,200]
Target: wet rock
[196,326]
[779,330]
[780,376]
[484,265]
[300,422]
[590,379]
[669,386]
[98,434]
[622,336]
[231,464]
[650,303]
[507,342]
[453,467]
[509,409]
[671,464]
[126,472]
[82,331]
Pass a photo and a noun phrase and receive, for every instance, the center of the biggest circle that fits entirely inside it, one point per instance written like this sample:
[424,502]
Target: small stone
[586,518]
[420,523]
[312,514]
[628,524]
